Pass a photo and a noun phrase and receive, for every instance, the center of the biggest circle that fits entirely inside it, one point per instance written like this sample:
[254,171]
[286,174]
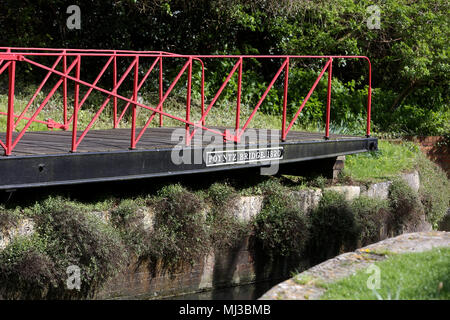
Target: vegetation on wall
[281,228]
[178,224]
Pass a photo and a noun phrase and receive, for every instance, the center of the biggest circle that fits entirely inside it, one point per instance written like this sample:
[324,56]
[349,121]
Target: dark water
[244,292]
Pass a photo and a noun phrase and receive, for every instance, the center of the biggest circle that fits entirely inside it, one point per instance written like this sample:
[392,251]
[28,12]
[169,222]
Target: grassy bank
[422,276]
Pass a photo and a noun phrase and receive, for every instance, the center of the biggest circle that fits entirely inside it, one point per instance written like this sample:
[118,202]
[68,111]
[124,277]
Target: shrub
[7,219]
[434,190]
[125,209]
[371,215]
[26,271]
[226,229]
[73,237]
[333,227]
[405,205]
[281,228]
[180,233]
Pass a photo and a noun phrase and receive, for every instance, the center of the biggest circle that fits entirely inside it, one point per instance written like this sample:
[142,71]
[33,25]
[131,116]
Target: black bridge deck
[43,158]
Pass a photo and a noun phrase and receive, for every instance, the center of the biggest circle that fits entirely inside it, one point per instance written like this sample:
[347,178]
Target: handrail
[11,56]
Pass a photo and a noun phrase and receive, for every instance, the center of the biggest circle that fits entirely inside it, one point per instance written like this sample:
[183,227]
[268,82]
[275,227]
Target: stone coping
[307,285]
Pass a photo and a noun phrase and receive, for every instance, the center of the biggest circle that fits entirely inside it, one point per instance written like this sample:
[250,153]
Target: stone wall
[243,265]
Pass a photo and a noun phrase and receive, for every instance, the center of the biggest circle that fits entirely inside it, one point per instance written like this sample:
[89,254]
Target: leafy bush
[405,205]
[371,215]
[26,271]
[434,190]
[334,228]
[65,235]
[281,228]
[226,229]
[180,233]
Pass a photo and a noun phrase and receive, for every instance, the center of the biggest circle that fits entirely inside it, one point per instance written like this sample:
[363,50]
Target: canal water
[243,292]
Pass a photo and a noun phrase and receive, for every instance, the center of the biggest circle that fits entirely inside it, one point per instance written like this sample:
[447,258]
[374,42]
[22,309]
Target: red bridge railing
[67,66]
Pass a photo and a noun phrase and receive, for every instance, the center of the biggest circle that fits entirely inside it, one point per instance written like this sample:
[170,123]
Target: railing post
[238,104]
[65,90]
[133,107]
[114,85]
[188,101]
[75,106]
[369,100]
[161,89]
[10,118]
[285,97]
[203,94]
[327,123]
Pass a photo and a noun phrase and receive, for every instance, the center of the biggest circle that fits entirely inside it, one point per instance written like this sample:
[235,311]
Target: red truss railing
[12,56]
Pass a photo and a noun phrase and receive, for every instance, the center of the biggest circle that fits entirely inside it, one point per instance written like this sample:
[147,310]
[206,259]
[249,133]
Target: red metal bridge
[71,154]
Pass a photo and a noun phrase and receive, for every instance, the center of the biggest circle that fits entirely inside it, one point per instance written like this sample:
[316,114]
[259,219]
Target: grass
[422,276]
[386,163]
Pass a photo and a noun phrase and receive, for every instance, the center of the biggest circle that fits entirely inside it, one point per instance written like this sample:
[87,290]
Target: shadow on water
[243,292]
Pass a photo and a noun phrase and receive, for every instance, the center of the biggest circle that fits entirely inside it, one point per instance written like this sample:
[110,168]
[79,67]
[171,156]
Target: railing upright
[65,90]
[369,99]
[188,102]
[238,103]
[327,123]
[285,97]
[161,92]
[133,107]
[116,122]
[10,119]
[75,105]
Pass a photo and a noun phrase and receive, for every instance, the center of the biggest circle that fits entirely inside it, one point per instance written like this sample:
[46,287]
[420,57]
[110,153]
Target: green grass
[422,276]
[386,163]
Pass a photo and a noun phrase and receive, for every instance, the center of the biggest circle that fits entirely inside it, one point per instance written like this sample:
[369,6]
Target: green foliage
[409,53]
[371,215]
[404,203]
[7,219]
[26,271]
[399,274]
[281,228]
[386,163]
[35,266]
[180,233]
[434,190]
[125,209]
[226,229]
[333,227]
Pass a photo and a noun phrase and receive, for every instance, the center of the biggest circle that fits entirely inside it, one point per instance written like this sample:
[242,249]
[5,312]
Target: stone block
[247,207]
[349,192]
[307,199]
[378,190]
[412,179]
